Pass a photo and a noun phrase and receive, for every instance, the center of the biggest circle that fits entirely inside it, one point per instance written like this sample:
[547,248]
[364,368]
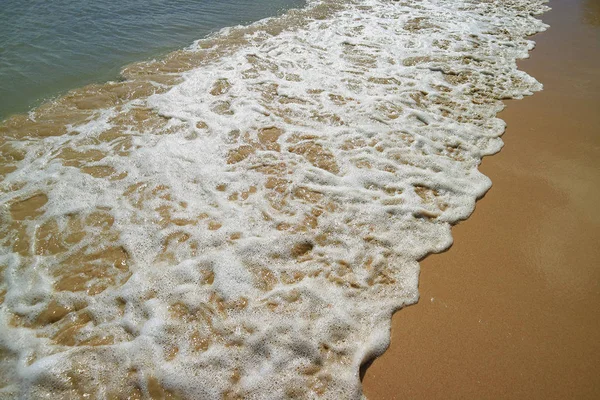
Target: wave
[241,218]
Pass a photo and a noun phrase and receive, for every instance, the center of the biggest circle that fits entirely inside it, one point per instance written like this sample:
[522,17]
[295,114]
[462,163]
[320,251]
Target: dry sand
[512,310]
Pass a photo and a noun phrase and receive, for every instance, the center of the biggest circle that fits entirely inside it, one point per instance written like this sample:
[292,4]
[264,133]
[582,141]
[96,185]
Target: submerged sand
[512,310]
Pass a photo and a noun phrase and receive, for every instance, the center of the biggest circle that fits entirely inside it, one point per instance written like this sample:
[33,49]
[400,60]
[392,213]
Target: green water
[49,47]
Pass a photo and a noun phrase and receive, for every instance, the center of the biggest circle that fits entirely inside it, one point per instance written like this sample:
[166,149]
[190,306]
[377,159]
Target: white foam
[406,134]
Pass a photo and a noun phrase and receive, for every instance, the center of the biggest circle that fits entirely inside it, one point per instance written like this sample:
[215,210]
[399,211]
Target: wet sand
[512,310]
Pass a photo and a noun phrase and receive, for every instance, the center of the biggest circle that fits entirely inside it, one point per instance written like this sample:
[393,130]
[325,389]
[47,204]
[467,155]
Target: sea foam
[241,220]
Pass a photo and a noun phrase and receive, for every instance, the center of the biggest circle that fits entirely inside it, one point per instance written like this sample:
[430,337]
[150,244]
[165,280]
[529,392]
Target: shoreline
[512,312]
[165,75]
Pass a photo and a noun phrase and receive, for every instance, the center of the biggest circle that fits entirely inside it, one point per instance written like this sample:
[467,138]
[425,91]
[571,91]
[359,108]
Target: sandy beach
[239,218]
[512,309]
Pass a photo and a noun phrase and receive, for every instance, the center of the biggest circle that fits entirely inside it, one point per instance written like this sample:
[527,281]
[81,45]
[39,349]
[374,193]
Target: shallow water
[241,218]
[47,47]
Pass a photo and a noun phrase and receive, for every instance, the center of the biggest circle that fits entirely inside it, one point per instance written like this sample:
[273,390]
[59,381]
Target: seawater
[49,47]
[240,218]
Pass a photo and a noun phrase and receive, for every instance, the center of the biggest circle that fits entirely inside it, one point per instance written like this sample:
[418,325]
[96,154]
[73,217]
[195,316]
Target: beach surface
[512,310]
[241,218]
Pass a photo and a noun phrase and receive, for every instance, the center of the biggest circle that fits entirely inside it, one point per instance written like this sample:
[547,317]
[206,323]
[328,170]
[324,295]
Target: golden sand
[512,310]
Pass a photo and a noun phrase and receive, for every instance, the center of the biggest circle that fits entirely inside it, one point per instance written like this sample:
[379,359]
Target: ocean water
[240,219]
[49,47]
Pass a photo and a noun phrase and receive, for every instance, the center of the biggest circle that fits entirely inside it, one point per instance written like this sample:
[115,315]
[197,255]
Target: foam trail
[242,218]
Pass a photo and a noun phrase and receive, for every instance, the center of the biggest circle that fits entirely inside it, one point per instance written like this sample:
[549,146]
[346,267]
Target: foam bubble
[242,218]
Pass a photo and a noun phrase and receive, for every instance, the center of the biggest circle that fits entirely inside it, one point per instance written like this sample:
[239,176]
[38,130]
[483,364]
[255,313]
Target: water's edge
[285,206]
